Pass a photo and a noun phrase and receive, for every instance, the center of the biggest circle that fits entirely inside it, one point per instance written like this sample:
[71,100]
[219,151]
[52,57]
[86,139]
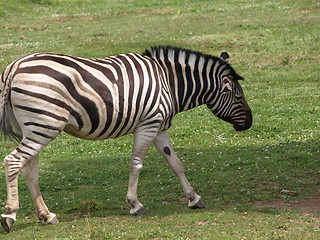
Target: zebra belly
[99,135]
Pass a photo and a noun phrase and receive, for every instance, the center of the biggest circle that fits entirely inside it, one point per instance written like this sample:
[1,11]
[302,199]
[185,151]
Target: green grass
[273,44]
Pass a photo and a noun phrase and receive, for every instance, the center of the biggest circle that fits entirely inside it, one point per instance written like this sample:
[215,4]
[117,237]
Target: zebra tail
[6,129]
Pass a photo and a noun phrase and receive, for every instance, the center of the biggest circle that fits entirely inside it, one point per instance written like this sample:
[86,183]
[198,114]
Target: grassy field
[273,44]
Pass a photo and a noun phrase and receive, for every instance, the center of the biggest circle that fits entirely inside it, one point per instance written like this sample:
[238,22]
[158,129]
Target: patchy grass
[274,44]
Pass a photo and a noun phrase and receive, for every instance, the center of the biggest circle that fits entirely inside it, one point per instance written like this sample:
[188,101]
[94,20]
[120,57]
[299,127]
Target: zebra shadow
[225,177]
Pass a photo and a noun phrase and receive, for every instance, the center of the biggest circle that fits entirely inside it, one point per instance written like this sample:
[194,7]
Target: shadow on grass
[227,178]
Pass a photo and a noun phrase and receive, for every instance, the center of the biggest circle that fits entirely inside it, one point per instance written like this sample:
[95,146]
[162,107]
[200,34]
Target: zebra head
[229,103]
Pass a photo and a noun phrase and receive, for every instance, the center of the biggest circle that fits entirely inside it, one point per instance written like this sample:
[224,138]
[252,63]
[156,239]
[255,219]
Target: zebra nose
[246,125]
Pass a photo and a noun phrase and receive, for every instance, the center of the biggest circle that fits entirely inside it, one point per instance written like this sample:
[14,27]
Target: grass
[273,44]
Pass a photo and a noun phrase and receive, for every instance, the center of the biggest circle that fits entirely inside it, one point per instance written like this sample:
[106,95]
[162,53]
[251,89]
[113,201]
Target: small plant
[87,207]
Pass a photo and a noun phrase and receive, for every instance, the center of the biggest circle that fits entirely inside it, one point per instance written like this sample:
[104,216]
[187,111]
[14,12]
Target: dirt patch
[307,205]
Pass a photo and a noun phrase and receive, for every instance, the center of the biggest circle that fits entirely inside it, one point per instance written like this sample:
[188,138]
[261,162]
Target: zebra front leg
[31,174]
[143,138]
[164,146]
[135,168]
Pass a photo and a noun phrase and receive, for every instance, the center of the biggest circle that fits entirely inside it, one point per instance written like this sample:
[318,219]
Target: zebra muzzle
[246,125]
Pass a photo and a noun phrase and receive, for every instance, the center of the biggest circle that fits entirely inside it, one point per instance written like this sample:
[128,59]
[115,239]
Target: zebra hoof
[198,205]
[53,220]
[7,223]
[139,212]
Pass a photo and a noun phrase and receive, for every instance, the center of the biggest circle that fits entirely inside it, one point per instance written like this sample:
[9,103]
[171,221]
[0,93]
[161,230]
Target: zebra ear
[225,56]
[238,77]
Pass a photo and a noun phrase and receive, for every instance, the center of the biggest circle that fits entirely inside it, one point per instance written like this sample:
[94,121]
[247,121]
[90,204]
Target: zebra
[44,94]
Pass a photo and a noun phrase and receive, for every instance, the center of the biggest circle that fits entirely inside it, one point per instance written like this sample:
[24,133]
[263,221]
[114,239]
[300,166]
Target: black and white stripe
[110,97]
[44,94]
[195,79]
[90,98]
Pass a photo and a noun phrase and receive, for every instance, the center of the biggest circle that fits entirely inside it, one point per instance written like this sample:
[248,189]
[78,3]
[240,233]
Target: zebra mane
[169,50]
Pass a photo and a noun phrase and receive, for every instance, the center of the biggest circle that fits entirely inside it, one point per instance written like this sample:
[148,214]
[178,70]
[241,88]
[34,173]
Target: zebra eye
[226,86]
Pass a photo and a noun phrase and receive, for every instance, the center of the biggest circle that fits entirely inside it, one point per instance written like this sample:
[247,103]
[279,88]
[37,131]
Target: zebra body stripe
[110,97]
[100,92]
[44,94]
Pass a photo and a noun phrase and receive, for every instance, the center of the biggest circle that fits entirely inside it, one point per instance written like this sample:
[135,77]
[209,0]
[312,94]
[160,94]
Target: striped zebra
[44,94]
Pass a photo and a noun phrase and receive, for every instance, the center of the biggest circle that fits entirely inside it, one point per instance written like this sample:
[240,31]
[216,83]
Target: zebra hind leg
[164,146]
[31,174]
[14,163]
[12,205]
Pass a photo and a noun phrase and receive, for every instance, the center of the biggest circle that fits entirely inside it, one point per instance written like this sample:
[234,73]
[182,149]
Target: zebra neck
[191,75]
[190,82]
